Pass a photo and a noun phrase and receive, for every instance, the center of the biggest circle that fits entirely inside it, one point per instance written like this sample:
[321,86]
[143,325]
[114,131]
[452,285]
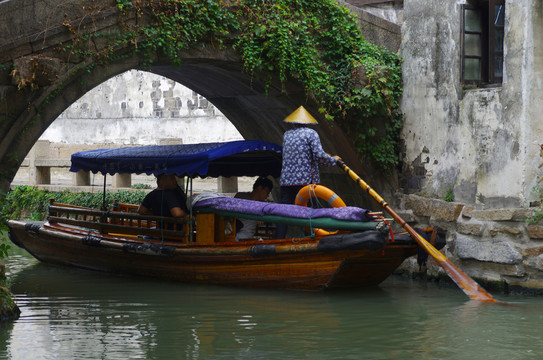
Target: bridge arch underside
[254,109]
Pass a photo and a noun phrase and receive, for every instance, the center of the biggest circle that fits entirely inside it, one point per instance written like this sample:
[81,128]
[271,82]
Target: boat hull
[300,264]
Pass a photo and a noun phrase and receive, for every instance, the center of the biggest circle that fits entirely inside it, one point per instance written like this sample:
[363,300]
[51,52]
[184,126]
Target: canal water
[75,314]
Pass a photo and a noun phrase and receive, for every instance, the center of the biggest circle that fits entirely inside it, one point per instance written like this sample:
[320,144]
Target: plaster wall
[138,108]
[532,128]
[483,144]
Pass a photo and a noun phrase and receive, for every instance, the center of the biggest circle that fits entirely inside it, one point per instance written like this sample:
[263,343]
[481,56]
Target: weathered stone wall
[497,245]
[481,143]
[139,108]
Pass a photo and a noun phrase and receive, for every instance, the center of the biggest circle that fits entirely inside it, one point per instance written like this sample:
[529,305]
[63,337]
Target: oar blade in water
[467,284]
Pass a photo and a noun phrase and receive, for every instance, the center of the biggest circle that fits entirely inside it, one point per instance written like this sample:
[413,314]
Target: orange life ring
[321,192]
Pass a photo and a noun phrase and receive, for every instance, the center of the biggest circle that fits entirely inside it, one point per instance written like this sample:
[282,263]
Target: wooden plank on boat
[205,228]
[54,210]
[120,223]
[120,230]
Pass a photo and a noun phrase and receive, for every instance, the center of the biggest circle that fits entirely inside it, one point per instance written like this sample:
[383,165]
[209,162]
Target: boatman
[302,155]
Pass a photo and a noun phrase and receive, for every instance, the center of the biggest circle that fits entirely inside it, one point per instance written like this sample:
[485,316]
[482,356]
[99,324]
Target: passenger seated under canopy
[246,228]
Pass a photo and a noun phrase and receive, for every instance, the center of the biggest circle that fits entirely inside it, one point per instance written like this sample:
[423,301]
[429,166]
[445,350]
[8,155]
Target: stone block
[493,271]
[467,211]
[36,70]
[448,211]
[535,231]
[11,100]
[533,251]
[522,214]
[42,175]
[5,77]
[496,251]
[407,216]
[227,184]
[122,180]
[42,149]
[505,230]
[535,262]
[527,283]
[14,50]
[494,214]
[470,229]
[418,204]
[81,178]
[52,162]
[53,38]
[438,209]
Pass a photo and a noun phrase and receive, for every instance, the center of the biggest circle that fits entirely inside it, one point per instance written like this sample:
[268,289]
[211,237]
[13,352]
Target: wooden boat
[357,249]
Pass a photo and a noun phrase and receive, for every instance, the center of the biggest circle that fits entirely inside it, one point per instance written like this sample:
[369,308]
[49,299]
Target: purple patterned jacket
[302,155]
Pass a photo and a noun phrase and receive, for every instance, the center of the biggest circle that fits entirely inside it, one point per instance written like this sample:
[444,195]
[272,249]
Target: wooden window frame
[491,44]
[486,10]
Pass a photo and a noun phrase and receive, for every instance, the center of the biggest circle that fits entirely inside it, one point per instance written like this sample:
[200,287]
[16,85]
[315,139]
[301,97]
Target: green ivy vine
[315,42]
[319,44]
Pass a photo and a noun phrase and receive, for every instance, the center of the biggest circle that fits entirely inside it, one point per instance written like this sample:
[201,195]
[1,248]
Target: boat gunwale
[298,246]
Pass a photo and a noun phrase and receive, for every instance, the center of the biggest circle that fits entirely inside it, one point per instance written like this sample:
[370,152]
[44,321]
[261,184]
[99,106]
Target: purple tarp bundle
[347,213]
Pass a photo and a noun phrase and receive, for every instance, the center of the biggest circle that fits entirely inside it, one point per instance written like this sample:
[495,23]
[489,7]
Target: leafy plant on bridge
[316,42]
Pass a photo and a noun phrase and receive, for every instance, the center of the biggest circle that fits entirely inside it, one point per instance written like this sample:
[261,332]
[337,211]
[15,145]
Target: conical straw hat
[300,116]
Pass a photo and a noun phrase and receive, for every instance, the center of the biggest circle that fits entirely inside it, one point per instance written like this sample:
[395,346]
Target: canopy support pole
[187,184]
[104,195]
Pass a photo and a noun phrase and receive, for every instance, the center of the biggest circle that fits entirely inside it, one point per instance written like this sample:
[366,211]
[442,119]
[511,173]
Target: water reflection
[73,314]
[86,315]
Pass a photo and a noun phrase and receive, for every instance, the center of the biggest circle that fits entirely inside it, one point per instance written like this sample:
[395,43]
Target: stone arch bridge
[32,30]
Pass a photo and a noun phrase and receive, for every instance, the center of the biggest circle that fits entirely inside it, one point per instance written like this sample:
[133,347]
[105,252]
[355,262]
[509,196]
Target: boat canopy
[234,158]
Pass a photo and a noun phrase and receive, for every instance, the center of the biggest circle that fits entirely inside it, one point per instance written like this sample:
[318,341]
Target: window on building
[482,41]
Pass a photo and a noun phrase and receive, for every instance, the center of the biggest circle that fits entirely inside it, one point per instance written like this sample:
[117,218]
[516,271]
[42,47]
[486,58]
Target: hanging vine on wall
[315,42]
[319,44]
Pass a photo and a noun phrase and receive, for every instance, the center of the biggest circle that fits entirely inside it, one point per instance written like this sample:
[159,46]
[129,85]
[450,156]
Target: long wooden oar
[467,284]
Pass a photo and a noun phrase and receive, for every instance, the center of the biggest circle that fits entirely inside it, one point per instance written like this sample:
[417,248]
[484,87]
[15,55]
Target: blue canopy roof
[235,158]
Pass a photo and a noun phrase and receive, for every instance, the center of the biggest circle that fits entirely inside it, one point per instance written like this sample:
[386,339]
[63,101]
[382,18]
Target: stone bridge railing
[42,159]
[46,157]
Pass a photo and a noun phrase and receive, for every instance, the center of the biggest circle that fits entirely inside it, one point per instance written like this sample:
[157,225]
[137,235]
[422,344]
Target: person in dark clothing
[168,199]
